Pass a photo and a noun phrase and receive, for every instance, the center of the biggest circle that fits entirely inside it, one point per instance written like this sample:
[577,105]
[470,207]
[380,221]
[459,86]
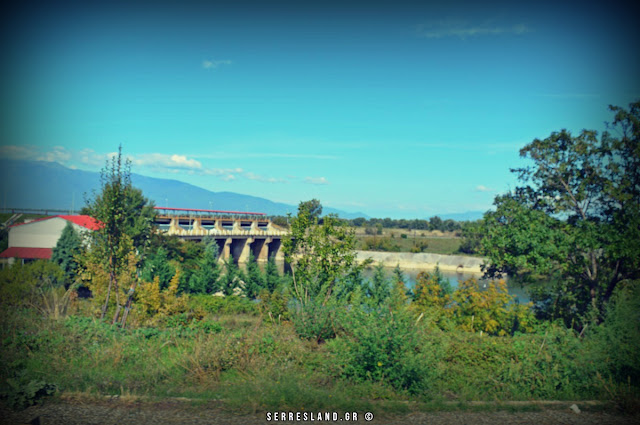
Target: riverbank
[407,260]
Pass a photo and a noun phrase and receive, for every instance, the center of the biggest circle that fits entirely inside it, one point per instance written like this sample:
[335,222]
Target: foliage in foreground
[385,353]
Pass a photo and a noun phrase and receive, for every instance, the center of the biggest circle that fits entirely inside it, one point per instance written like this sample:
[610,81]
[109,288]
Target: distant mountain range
[49,185]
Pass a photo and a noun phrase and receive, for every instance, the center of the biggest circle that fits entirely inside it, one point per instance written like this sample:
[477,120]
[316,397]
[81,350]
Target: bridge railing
[201,213]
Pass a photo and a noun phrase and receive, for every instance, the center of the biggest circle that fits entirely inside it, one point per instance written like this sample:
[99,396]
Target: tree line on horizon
[433,223]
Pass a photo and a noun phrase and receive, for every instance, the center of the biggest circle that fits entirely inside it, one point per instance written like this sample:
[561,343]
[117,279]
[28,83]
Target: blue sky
[394,109]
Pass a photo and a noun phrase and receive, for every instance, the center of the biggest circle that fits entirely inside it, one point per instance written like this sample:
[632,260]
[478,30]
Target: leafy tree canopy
[320,255]
[126,218]
[314,207]
[576,214]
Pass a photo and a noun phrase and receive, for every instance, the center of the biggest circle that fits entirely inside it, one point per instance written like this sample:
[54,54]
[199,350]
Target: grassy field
[435,242]
[378,352]
[254,363]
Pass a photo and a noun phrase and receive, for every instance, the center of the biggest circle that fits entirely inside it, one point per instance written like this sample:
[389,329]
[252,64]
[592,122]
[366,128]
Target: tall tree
[205,279]
[319,255]
[66,253]
[254,279]
[125,217]
[379,289]
[576,214]
[272,277]
[231,277]
[139,218]
[138,212]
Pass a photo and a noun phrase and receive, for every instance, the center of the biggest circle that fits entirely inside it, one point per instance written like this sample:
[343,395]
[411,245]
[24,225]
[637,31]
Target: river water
[453,277]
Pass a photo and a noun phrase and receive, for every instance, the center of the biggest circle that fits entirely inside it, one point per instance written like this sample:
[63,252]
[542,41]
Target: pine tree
[205,279]
[272,276]
[254,279]
[158,266]
[379,290]
[229,280]
[66,253]
[399,275]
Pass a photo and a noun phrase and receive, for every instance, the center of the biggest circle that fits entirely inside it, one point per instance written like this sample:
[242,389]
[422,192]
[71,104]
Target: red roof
[81,220]
[27,253]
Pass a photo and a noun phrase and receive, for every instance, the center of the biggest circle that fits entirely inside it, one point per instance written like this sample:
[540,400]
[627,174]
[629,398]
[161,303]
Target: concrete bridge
[237,233]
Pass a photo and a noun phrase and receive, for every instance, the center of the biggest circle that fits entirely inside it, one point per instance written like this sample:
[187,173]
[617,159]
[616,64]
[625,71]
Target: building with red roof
[36,239]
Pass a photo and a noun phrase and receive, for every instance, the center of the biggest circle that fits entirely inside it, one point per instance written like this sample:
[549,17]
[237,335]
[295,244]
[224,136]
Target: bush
[154,305]
[385,347]
[552,364]
[419,247]
[20,285]
[23,391]
[211,304]
[185,324]
[491,309]
[317,322]
[380,244]
[274,305]
[617,340]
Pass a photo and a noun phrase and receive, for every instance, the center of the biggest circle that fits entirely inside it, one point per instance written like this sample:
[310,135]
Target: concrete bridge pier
[245,254]
[260,250]
[226,250]
[221,244]
[237,249]
[175,228]
[275,249]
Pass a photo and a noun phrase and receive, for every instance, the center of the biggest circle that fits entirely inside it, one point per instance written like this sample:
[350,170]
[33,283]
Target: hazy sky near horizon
[395,109]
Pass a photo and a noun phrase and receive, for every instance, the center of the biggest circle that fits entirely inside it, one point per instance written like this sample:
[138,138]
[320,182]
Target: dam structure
[237,233]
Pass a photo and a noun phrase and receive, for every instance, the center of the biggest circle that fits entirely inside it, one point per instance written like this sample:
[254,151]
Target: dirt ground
[67,412]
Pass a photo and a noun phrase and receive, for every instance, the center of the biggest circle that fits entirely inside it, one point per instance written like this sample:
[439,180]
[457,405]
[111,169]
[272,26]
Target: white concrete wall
[40,234]
[408,260]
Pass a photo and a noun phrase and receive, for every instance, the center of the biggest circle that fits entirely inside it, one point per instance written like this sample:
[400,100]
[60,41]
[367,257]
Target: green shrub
[491,309]
[22,391]
[419,247]
[380,244]
[20,284]
[381,346]
[274,305]
[185,324]
[616,342]
[553,364]
[318,322]
[211,304]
